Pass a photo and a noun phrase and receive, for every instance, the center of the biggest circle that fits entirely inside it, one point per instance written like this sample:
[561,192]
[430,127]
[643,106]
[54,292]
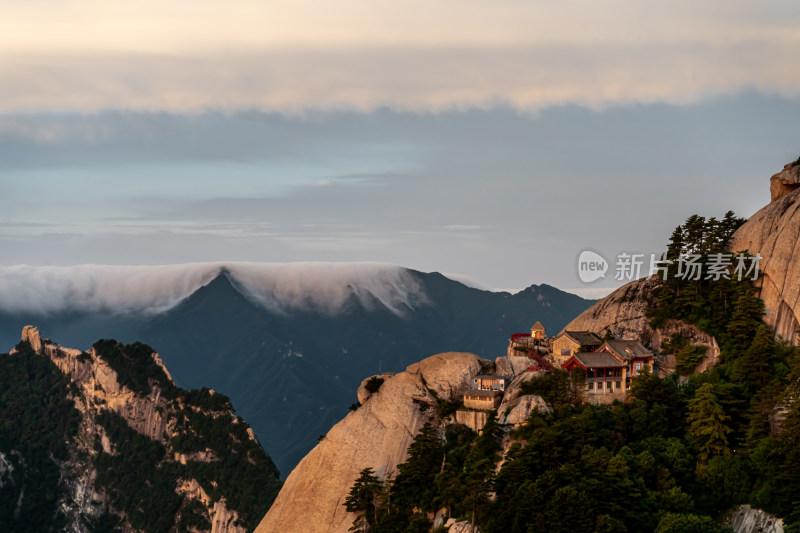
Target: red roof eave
[575,360]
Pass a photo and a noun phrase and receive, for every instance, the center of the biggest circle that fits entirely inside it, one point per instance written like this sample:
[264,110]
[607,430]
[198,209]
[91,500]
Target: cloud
[529,77]
[164,188]
[414,55]
[466,280]
[324,287]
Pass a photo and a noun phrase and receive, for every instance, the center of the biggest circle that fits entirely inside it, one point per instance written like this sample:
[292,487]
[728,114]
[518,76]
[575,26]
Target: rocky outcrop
[376,435]
[513,390]
[785,181]
[745,519]
[362,393]
[95,386]
[624,313]
[518,413]
[512,365]
[101,386]
[31,335]
[774,232]
[223,520]
[460,527]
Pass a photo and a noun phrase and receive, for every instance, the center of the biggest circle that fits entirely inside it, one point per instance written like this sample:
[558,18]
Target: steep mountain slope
[289,360]
[624,314]
[103,440]
[774,232]
[680,454]
[377,435]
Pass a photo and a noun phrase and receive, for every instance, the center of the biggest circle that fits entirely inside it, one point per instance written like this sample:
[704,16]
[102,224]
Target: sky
[494,140]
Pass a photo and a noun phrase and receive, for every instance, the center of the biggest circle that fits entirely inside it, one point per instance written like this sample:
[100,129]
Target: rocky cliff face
[376,435]
[774,232]
[624,313]
[108,408]
[785,181]
[745,519]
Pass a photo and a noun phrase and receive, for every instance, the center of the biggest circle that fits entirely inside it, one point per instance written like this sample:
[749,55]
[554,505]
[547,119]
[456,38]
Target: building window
[619,384]
[591,386]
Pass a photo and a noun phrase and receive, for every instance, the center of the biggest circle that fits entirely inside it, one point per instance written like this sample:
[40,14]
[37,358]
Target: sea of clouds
[280,287]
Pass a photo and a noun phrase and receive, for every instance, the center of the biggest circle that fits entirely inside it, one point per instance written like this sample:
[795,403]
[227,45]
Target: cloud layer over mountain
[279,287]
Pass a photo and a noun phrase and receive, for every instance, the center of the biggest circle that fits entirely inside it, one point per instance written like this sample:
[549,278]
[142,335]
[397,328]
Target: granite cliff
[624,313]
[377,435]
[136,453]
[774,232]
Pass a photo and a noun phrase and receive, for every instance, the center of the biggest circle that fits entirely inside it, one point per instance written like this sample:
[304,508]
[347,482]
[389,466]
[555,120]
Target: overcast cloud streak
[428,78]
[88,55]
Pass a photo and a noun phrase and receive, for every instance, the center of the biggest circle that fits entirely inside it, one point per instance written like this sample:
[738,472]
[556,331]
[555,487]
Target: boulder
[513,389]
[746,519]
[376,435]
[512,365]
[785,181]
[440,517]
[32,335]
[362,393]
[623,312]
[517,414]
[463,527]
[448,374]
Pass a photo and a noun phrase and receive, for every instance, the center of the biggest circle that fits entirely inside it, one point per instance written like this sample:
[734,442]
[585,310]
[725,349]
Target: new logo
[591,266]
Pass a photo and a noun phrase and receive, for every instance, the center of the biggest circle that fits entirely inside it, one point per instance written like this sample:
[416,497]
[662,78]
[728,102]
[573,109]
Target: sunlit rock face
[96,387]
[774,232]
[377,435]
[785,181]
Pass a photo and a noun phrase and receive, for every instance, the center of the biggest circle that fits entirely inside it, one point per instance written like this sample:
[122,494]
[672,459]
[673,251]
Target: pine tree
[708,423]
[363,499]
[415,484]
[694,232]
[477,481]
[746,314]
[755,365]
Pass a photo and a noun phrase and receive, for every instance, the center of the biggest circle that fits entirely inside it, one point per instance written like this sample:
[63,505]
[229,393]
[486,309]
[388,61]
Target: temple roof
[584,338]
[627,350]
[598,360]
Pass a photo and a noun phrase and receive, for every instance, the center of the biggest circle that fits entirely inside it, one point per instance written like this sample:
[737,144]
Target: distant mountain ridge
[291,370]
[103,440]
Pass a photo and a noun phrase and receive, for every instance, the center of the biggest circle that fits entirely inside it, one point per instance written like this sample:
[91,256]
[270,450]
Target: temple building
[632,353]
[538,331]
[483,400]
[605,374]
[568,343]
